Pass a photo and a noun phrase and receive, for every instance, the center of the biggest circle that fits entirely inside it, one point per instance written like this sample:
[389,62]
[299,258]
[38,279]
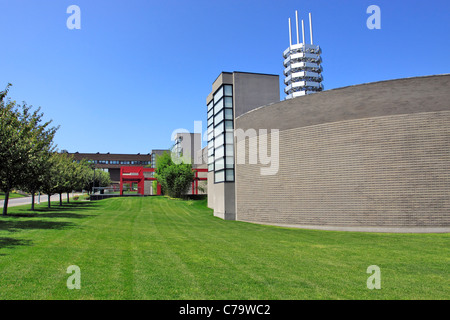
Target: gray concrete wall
[252,90]
[401,96]
[201,157]
[147,188]
[221,198]
[223,201]
[211,190]
[368,157]
[190,144]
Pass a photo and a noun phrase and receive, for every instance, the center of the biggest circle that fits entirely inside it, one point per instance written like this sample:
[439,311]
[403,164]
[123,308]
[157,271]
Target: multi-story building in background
[112,162]
[186,146]
[155,154]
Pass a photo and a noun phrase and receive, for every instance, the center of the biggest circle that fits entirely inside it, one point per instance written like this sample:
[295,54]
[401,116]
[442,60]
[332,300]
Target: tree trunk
[68,197]
[5,203]
[32,201]
[48,205]
[60,198]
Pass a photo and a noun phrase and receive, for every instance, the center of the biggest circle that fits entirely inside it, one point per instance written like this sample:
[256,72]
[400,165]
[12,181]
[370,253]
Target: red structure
[197,179]
[135,177]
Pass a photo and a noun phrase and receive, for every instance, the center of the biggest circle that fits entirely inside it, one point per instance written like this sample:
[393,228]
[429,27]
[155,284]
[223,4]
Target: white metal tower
[302,61]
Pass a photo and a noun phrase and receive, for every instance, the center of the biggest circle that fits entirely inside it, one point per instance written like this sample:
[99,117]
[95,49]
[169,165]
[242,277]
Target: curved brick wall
[368,156]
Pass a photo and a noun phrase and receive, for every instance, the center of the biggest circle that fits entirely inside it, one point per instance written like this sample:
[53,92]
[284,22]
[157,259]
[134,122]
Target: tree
[23,139]
[175,179]
[11,148]
[102,179]
[79,175]
[51,177]
[64,170]
[96,178]
[162,161]
[38,161]
[35,175]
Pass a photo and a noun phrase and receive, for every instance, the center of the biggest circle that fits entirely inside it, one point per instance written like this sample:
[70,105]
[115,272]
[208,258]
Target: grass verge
[158,248]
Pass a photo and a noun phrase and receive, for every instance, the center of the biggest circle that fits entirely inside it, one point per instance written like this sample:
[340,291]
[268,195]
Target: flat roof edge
[346,87]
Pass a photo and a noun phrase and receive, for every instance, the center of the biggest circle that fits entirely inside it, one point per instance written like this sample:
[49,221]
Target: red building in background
[140,180]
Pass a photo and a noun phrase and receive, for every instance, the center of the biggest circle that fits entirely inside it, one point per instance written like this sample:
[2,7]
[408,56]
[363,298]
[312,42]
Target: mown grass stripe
[158,248]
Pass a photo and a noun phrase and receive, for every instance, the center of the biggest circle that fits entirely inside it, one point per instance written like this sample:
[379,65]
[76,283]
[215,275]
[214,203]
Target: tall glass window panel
[211,167]
[218,130]
[229,175]
[229,150]
[218,95]
[218,107]
[210,113]
[218,117]
[210,105]
[228,102]
[210,159]
[219,176]
[210,136]
[210,144]
[210,121]
[229,138]
[219,152]
[219,164]
[210,152]
[229,114]
[219,141]
[228,125]
[228,90]
[229,162]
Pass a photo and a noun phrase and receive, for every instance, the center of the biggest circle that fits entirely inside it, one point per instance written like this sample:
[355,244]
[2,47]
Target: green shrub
[175,179]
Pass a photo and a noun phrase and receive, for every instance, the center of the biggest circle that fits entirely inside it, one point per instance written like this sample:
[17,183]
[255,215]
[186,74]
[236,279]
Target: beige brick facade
[377,160]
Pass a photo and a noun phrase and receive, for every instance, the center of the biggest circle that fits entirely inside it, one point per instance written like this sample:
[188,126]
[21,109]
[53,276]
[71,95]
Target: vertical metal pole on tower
[310,28]
[290,34]
[296,23]
[303,32]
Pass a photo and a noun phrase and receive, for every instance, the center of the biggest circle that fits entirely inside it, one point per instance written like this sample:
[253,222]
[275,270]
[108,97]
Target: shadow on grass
[22,218]
[14,226]
[55,211]
[6,242]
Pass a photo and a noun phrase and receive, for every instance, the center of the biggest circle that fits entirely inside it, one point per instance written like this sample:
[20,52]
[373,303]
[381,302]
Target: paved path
[27,200]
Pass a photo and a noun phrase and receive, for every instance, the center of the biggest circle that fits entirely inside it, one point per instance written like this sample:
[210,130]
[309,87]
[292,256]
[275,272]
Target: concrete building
[113,162]
[186,146]
[369,157]
[155,153]
[233,94]
[188,149]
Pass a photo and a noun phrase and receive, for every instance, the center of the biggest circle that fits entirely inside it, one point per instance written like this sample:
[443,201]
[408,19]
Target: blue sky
[137,70]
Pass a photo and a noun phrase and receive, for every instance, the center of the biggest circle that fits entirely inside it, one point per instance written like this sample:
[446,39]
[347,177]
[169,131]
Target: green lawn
[156,248]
